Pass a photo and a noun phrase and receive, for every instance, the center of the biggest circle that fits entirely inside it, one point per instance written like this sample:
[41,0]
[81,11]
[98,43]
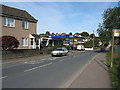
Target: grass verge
[113,71]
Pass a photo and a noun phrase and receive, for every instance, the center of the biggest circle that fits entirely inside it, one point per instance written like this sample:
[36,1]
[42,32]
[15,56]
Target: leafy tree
[8,42]
[84,34]
[91,35]
[111,20]
[70,33]
[47,33]
[104,35]
[96,41]
[88,44]
[53,34]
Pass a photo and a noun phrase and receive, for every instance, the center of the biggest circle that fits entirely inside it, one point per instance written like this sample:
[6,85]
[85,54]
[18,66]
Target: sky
[65,17]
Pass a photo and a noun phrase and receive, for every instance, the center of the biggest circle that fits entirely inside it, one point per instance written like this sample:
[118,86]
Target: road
[49,72]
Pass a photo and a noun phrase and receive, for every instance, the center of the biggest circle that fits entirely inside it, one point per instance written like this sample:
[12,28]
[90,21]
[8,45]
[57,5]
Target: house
[63,34]
[21,25]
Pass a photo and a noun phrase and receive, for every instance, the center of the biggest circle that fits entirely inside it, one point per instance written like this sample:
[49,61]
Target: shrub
[8,42]
[88,44]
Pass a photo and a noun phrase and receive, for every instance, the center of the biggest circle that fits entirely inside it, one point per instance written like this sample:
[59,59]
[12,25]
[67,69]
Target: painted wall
[18,32]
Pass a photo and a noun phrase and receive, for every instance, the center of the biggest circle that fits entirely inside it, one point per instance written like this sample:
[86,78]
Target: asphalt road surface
[49,72]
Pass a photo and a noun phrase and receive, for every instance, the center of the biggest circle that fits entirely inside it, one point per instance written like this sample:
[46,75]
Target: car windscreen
[58,49]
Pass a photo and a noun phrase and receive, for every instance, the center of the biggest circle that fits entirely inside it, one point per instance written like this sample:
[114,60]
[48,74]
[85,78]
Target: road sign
[117,33]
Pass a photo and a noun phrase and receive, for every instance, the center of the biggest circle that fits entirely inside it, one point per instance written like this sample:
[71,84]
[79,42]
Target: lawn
[115,81]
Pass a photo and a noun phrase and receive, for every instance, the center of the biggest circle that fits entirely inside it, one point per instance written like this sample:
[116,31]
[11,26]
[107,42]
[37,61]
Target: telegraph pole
[93,39]
[112,48]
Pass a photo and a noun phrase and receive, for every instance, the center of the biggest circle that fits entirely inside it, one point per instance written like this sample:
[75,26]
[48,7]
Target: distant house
[63,34]
[21,25]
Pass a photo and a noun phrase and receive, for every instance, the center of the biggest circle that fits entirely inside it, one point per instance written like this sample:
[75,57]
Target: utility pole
[112,48]
[93,39]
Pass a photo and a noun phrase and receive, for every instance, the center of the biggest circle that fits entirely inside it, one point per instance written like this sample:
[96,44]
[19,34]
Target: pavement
[95,74]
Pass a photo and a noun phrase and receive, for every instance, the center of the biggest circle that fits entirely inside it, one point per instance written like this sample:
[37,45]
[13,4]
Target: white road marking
[4,77]
[43,59]
[61,60]
[37,67]
[32,62]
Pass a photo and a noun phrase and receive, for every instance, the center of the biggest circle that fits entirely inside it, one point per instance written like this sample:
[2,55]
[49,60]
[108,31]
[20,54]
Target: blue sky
[65,17]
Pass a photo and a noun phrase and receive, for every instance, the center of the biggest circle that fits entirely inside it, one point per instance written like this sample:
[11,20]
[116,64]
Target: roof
[35,35]
[65,37]
[16,13]
[63,34]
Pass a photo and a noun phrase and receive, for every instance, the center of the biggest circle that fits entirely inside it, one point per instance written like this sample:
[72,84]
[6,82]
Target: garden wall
[21,53]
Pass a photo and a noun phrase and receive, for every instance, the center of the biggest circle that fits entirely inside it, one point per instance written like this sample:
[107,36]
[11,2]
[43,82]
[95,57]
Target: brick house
[21,25]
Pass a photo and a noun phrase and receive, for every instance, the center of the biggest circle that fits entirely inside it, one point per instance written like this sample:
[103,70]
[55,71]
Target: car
[59,52]
[102,49]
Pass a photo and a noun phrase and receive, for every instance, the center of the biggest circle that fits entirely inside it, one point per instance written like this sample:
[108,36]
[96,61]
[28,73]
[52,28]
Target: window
[5,21]
[25,24]
[10,22]
[24,41]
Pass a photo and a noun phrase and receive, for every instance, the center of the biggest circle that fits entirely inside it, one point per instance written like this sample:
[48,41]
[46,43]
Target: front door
[37,43]
[32,43]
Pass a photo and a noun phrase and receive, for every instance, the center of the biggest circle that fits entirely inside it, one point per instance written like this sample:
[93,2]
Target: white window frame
[26,24]
[24,41]
[8,22]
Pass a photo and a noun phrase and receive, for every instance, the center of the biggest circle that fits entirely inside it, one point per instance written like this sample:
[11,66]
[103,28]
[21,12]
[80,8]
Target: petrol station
[65,40]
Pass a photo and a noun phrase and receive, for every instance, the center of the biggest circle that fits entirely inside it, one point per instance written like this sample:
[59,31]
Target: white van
[80,47]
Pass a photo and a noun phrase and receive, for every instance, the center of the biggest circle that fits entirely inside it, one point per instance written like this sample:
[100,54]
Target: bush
[88,44]
[8,42]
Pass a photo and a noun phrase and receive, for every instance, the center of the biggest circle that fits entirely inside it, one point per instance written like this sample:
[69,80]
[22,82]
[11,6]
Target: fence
[116,61]
[117,52]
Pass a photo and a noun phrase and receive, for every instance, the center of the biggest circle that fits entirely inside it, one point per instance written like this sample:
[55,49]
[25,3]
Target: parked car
[59,52]
[80,47]
[102,49]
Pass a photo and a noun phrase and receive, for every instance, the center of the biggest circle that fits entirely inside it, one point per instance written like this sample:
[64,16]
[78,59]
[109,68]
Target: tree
[8,42]
[92,35]
[88,44]
[47,33]
[84,34]
[96,41]
[70,33]
[111,20]
[53,34]
[105,35]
